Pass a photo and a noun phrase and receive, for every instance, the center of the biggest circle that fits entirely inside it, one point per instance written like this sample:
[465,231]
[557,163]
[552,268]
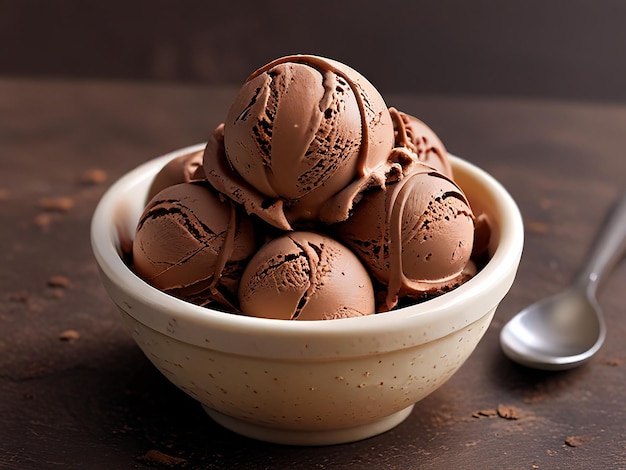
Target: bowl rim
[502,264]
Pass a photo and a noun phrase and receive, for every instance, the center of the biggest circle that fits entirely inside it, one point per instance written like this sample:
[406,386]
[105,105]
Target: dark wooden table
[75,391]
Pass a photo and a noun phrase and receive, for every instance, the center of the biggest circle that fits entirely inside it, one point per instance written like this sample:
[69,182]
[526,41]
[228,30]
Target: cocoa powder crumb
[507,412]
[614,362]
[485,413]
[69,335]
[577,441]
[59,281]
[56,204]
[157,458]
[43,221]
[93,176]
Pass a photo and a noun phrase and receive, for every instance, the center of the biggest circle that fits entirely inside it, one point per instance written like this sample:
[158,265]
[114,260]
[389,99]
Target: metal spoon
[567,329]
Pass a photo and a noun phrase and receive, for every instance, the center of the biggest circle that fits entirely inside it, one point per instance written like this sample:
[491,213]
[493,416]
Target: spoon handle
[608,248]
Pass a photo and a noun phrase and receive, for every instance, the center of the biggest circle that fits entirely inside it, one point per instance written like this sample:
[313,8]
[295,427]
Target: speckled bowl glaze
[316,382]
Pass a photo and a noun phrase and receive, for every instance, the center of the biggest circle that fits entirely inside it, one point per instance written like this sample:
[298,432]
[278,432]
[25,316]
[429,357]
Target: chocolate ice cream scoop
[415,236]
[415,135]
[301,129]
[306,276]
[226,180]
[183,169]
[192,243]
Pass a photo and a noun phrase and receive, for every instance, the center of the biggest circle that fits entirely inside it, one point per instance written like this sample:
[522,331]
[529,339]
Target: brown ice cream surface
[226,180]
[193,243]
[412,133]
[301,129]
[306,276]
[415,237]
[344,191]
[183,169]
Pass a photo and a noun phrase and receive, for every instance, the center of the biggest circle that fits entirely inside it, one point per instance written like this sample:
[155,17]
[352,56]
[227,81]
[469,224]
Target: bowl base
[309,438]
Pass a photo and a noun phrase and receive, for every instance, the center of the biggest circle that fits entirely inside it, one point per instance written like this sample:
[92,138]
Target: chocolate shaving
[507,412]
[577,441]
[93,176]
[69,335]
[157,458]
[56,204]
[59,281]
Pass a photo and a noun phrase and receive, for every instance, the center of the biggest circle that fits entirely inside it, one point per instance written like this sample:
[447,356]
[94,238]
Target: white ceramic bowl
[316,382]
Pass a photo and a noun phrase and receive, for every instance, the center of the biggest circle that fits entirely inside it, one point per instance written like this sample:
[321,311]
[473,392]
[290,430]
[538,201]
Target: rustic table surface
[75,391]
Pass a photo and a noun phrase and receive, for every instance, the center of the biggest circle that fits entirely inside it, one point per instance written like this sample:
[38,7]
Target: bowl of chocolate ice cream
[315,268]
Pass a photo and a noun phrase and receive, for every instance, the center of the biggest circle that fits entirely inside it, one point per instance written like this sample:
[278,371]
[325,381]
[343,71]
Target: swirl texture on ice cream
[193,243]
[306,276]
[301,129]
[420,139]
[416,236]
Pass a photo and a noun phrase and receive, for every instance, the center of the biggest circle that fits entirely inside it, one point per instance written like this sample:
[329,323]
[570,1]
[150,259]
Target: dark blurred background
[556,48]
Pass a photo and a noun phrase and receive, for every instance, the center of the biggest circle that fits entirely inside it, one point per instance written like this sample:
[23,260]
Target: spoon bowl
[557,333]
[568,329]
